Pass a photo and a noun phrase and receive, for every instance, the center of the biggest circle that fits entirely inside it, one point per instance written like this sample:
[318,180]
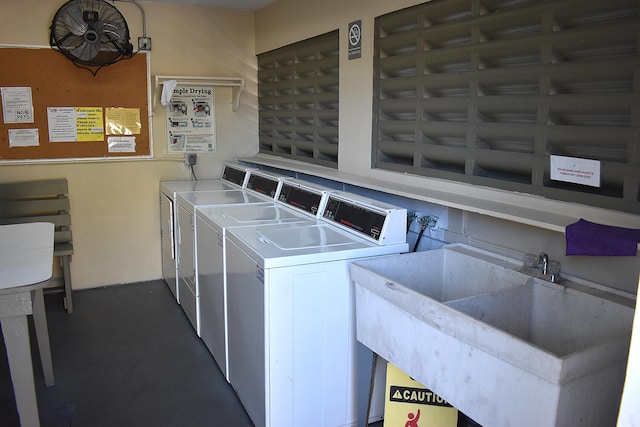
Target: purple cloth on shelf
[589,238]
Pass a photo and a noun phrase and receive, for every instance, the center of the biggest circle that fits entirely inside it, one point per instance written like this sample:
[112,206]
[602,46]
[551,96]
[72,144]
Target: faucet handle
[531,261]
[554,267]
[544,262]
[542,267]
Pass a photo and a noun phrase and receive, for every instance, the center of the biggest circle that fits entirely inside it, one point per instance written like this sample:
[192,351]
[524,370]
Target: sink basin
[503,347]
[459,271]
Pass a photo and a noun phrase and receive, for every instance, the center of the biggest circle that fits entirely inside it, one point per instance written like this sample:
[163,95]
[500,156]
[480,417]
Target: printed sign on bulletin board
[75,124]
[191,115]
[17,104]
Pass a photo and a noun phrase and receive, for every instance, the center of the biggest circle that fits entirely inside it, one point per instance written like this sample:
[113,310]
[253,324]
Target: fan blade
[108,32]
[112,22]
[68,40]
[85,52]
[73,20]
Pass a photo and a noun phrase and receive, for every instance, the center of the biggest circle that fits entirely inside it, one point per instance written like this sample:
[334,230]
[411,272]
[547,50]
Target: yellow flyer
[89,124]
[123,121]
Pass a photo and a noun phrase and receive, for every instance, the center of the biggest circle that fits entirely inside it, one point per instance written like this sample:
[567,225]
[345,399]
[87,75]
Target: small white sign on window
[575,170]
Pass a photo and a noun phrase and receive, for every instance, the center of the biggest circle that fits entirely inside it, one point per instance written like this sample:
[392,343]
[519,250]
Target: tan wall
[114,205]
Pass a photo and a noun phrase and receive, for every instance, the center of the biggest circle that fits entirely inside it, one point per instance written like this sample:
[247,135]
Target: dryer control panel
[355,217]
[303,197]
[262,183]
[382,224]
[234,175]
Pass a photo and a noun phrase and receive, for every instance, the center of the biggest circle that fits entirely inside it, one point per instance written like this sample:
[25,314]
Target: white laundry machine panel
[264,187]
[234,176]
[298,201]
[187,256]
[291,331]
[212,224]
[261,186]
[371,219]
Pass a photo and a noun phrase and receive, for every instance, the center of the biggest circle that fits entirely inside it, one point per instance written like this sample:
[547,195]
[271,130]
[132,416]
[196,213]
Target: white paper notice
[62,124]
[192,120]
[576,170]
[23,138]
[122,144]
[17,105]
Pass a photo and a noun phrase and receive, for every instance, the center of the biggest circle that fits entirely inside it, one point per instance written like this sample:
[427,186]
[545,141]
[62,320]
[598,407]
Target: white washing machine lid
[170,188]
[213,198]
[310,236]
[256,214]
[304,243]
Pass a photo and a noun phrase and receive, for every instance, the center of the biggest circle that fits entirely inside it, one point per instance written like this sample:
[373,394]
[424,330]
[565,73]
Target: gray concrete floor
[127,356]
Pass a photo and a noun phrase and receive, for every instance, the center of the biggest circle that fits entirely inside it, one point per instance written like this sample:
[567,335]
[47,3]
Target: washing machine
[234,176]
[187,203]
[292,347]
[298,201]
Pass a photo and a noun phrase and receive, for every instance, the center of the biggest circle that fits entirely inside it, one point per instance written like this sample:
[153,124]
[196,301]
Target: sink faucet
[543,262]
[541,267]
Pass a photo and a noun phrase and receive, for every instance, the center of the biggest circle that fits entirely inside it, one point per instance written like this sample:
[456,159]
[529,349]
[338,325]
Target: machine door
[167,234]
[211,285]
[246,328]
[186,243]
[168,244]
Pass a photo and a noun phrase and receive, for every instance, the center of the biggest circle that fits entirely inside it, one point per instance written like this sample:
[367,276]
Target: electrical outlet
[144,43]
[415,217]
[190,159]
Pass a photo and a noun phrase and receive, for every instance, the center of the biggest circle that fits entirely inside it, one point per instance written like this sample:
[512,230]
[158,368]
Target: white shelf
[532,210]
[235,83]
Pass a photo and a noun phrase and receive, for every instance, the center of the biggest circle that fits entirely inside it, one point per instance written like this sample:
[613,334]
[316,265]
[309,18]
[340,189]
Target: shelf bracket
[235,83]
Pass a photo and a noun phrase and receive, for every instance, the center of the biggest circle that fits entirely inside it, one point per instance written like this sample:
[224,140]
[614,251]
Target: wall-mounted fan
[91,33]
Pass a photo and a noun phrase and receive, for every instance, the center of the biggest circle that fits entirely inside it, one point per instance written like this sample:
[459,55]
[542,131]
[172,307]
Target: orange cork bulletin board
[116,91]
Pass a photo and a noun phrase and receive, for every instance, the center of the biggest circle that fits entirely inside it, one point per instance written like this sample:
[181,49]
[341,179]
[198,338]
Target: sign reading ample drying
[191,126]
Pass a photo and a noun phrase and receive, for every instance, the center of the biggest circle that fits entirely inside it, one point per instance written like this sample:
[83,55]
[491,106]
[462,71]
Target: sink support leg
[367,362]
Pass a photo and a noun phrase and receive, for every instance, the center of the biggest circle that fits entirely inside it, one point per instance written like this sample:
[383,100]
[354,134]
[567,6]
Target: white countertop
[26,254]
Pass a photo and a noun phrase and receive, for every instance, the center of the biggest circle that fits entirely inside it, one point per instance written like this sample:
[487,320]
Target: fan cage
[91,33]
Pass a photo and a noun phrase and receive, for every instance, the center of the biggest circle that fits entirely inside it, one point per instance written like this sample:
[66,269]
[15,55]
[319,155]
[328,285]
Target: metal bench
[46,201]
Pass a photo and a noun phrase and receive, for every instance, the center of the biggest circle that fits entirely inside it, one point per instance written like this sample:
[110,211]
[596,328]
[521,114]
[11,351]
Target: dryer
[298,201]
[291,311]
[234,176]
[187,203]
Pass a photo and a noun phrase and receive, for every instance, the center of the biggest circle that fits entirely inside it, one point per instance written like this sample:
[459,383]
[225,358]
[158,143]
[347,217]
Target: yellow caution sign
[409,404]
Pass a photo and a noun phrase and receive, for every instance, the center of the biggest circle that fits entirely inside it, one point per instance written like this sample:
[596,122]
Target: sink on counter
[505,348]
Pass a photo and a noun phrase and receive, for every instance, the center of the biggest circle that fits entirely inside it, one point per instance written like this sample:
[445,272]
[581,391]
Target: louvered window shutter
[298,100]
[485,91]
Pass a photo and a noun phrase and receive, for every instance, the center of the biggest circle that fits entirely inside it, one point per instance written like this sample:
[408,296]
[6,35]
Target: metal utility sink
[503,347]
